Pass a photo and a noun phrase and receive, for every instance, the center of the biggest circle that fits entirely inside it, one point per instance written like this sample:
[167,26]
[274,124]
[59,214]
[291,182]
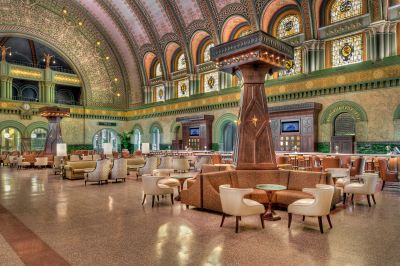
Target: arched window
[229,135]
[344,9]
[29,93]
[105,136]
[137,139]
[348,50]
[288,26]
[10,139]
[155,139]
[181,62]
[206,54]
[38,139]
[294,66]
[158,70]
[345,125]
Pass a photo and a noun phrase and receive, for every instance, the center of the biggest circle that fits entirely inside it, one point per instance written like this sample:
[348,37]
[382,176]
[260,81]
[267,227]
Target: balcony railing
[55,68]
[25,99]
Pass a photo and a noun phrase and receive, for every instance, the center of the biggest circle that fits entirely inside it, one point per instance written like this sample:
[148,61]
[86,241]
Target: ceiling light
[115,79]
[107,58]
[98,43]
[80,23]
[65,11]
[118,94]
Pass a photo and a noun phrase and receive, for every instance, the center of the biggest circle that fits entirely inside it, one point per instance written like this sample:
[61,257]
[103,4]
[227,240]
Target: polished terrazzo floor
[107,225]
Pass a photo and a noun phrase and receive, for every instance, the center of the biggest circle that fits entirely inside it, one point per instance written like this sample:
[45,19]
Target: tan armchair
[76,170]
[87,158]
[21,163]
[119,170]
[386,174]
[152,187]
[100,173]
[180,164]
[74,158]
[147,169]
[233,203]
[166,162]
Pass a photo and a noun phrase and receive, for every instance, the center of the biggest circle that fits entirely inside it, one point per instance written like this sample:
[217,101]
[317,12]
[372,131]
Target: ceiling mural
[220,4]
[190,10]
[132,21]
[158,16]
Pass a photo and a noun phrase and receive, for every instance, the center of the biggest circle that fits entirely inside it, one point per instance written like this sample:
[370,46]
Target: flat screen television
[290,126]
[194,131]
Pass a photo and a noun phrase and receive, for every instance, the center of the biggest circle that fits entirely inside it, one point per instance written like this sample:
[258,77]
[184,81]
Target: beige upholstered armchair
[87,157]
[152,187]
[74,158]
[367,188]
[119,170]
[41,162]
[100,173]
[150,165]
[166,162]
[180,164]
[234,203]
[317,207]
[342,175]
[57,164]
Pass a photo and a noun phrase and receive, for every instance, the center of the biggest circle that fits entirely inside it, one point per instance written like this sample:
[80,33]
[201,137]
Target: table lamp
[107,149]
[61,151]
[145,148]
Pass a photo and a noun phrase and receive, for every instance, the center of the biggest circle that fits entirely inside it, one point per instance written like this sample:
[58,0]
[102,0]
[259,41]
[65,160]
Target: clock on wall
[26,106]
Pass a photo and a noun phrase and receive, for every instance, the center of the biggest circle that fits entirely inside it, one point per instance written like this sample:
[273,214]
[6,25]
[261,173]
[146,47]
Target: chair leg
[144,198]
[383,185]
[152,201]
[240,218]
[369,200]
[187,206]
[304,217]
[222,221]
[321,228]
[352,198]
[172,198]
[328,217]
[289,219]
[262,220]
[237,224]
[85,183]
[373,198]
[344,198]
[158,198]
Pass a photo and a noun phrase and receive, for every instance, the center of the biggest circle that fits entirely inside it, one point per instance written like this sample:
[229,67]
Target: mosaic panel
[344,9]
[190,10]
[294,66]
[211,81]
[182,87]
[160,93]
[348,50]
[158,16]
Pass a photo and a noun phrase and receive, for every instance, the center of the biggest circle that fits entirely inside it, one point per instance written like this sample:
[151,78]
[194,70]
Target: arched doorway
[229,136]
[38,139]
[344,125]
[10,139]
[105,136]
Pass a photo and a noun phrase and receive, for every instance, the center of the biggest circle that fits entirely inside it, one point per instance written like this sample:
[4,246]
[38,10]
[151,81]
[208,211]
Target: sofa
[204,191]
[135,162]
[76,169]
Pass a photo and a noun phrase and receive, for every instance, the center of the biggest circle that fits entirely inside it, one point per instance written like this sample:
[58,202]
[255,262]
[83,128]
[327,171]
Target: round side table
[270,189]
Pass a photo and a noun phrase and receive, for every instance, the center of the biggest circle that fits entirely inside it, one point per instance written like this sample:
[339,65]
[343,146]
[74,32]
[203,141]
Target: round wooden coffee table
[270,189]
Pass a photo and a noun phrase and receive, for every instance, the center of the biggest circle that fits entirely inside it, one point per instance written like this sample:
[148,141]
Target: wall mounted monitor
[194,131]
[290,126]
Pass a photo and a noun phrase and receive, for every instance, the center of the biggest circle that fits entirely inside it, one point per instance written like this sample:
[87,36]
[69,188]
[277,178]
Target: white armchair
[317,207]
[119,170]
[166,162]
[166,180]
[180,164]
[41,162]
[341,175]
[21,163]
[152,187]
[233,203]
[100,173]
[367,188]
[150,165]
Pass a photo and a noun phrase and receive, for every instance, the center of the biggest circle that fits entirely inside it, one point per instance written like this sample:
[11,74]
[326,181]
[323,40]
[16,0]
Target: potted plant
[125,140]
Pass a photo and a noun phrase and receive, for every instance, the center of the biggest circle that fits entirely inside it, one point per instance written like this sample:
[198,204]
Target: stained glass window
[181,62]
[288,26]
[183,88]
[158,70]
[160,93]
[294,66]
[344,9]
[211,82]
[348,50]
[207,56]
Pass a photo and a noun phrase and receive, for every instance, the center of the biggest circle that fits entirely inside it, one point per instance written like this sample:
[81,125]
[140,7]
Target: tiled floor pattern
[107,225]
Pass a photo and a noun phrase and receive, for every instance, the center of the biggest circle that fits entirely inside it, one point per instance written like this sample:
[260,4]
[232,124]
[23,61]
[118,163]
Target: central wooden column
[254,56]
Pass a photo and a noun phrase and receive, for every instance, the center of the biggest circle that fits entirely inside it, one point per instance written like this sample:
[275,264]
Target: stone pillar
[169,90]
[254,55]
[146,94]
[255,149]
[6,82]
[313,55]
[380,37]
[194,84]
